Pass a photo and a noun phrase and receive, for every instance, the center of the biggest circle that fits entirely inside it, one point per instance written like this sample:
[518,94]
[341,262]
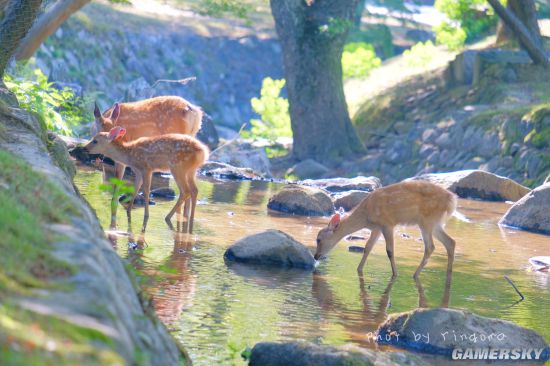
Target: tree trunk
[359,10]
[525,11]
[46,25]
[18,18]
[531,42]
[312,35]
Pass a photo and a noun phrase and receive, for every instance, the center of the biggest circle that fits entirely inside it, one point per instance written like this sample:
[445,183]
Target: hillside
[488,112]
[115,53]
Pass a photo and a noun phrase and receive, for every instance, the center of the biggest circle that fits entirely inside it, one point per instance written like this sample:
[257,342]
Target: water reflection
[177,286]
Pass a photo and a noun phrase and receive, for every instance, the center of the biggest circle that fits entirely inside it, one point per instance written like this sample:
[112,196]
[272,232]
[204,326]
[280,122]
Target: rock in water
[478,184]
[359,183]
[349,200]
[309,354]
[299,200]
[271,247]
[226,171]
[532,212]
[411,330]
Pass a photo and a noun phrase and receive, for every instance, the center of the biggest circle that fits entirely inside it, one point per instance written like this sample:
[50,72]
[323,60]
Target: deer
[179,154]
[149,117]
[407,203]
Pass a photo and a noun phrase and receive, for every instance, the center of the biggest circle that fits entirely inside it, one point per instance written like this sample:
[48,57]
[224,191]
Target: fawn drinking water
[407,203]
[181,155]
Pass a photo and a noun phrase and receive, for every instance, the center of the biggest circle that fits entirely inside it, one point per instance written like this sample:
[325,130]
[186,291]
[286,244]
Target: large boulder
[308,168]
[439,331]
[309,354]
[477,184]
[271,247]
[300,200]
[349,200]
[359,183]
[531,212]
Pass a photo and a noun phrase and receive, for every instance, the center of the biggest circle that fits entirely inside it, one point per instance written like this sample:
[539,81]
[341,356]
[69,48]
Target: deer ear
[116,133]
[115,113]
[334,221]
[97,112]
[121,133]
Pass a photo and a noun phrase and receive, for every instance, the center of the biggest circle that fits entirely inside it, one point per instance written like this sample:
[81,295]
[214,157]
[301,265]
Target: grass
[29,338]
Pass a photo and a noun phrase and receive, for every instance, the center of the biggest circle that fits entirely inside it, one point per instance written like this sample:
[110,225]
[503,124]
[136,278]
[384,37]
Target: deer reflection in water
[172,284]
[358,325]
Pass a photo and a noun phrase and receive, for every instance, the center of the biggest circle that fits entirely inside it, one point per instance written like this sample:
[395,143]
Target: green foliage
[420,54]
[358,59]
[275,151]
[60,110]
[336,26]
[452,37]
[273,111]
[218,8]
[379,35]
[468,20]
[114,188]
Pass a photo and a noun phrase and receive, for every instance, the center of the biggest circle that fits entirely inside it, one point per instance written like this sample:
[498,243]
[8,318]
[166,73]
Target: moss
[29,201]
[486,119]
[371,116]
[539,136]
[30,338]
[59,154]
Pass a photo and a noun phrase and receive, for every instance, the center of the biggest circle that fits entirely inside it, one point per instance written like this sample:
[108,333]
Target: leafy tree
[273,110]
[467,21]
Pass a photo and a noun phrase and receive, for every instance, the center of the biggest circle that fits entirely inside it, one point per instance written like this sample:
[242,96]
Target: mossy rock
[58,151]
[30,200]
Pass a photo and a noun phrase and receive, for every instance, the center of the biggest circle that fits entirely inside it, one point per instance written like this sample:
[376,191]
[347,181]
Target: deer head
[105,124]
[101,142]
[326,240]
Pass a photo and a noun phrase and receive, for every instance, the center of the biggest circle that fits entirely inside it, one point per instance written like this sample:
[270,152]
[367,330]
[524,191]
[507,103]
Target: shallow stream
[216,309]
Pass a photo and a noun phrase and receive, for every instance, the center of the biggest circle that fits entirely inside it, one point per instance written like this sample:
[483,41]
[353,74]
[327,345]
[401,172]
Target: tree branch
[527,41]
[46,25]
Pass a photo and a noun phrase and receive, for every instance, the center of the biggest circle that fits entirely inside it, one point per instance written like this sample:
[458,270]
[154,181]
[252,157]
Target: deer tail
[452,211]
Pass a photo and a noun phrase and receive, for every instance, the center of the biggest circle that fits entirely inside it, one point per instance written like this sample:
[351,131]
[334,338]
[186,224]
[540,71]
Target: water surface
[216,309]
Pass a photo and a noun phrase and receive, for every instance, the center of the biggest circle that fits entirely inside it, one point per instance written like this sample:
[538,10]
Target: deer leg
[180,181]
[449,244]
[146,193]
[428,249]
[119,170]
[374,235]
[137,185]
[119,174]
[194,192]
[388,237]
